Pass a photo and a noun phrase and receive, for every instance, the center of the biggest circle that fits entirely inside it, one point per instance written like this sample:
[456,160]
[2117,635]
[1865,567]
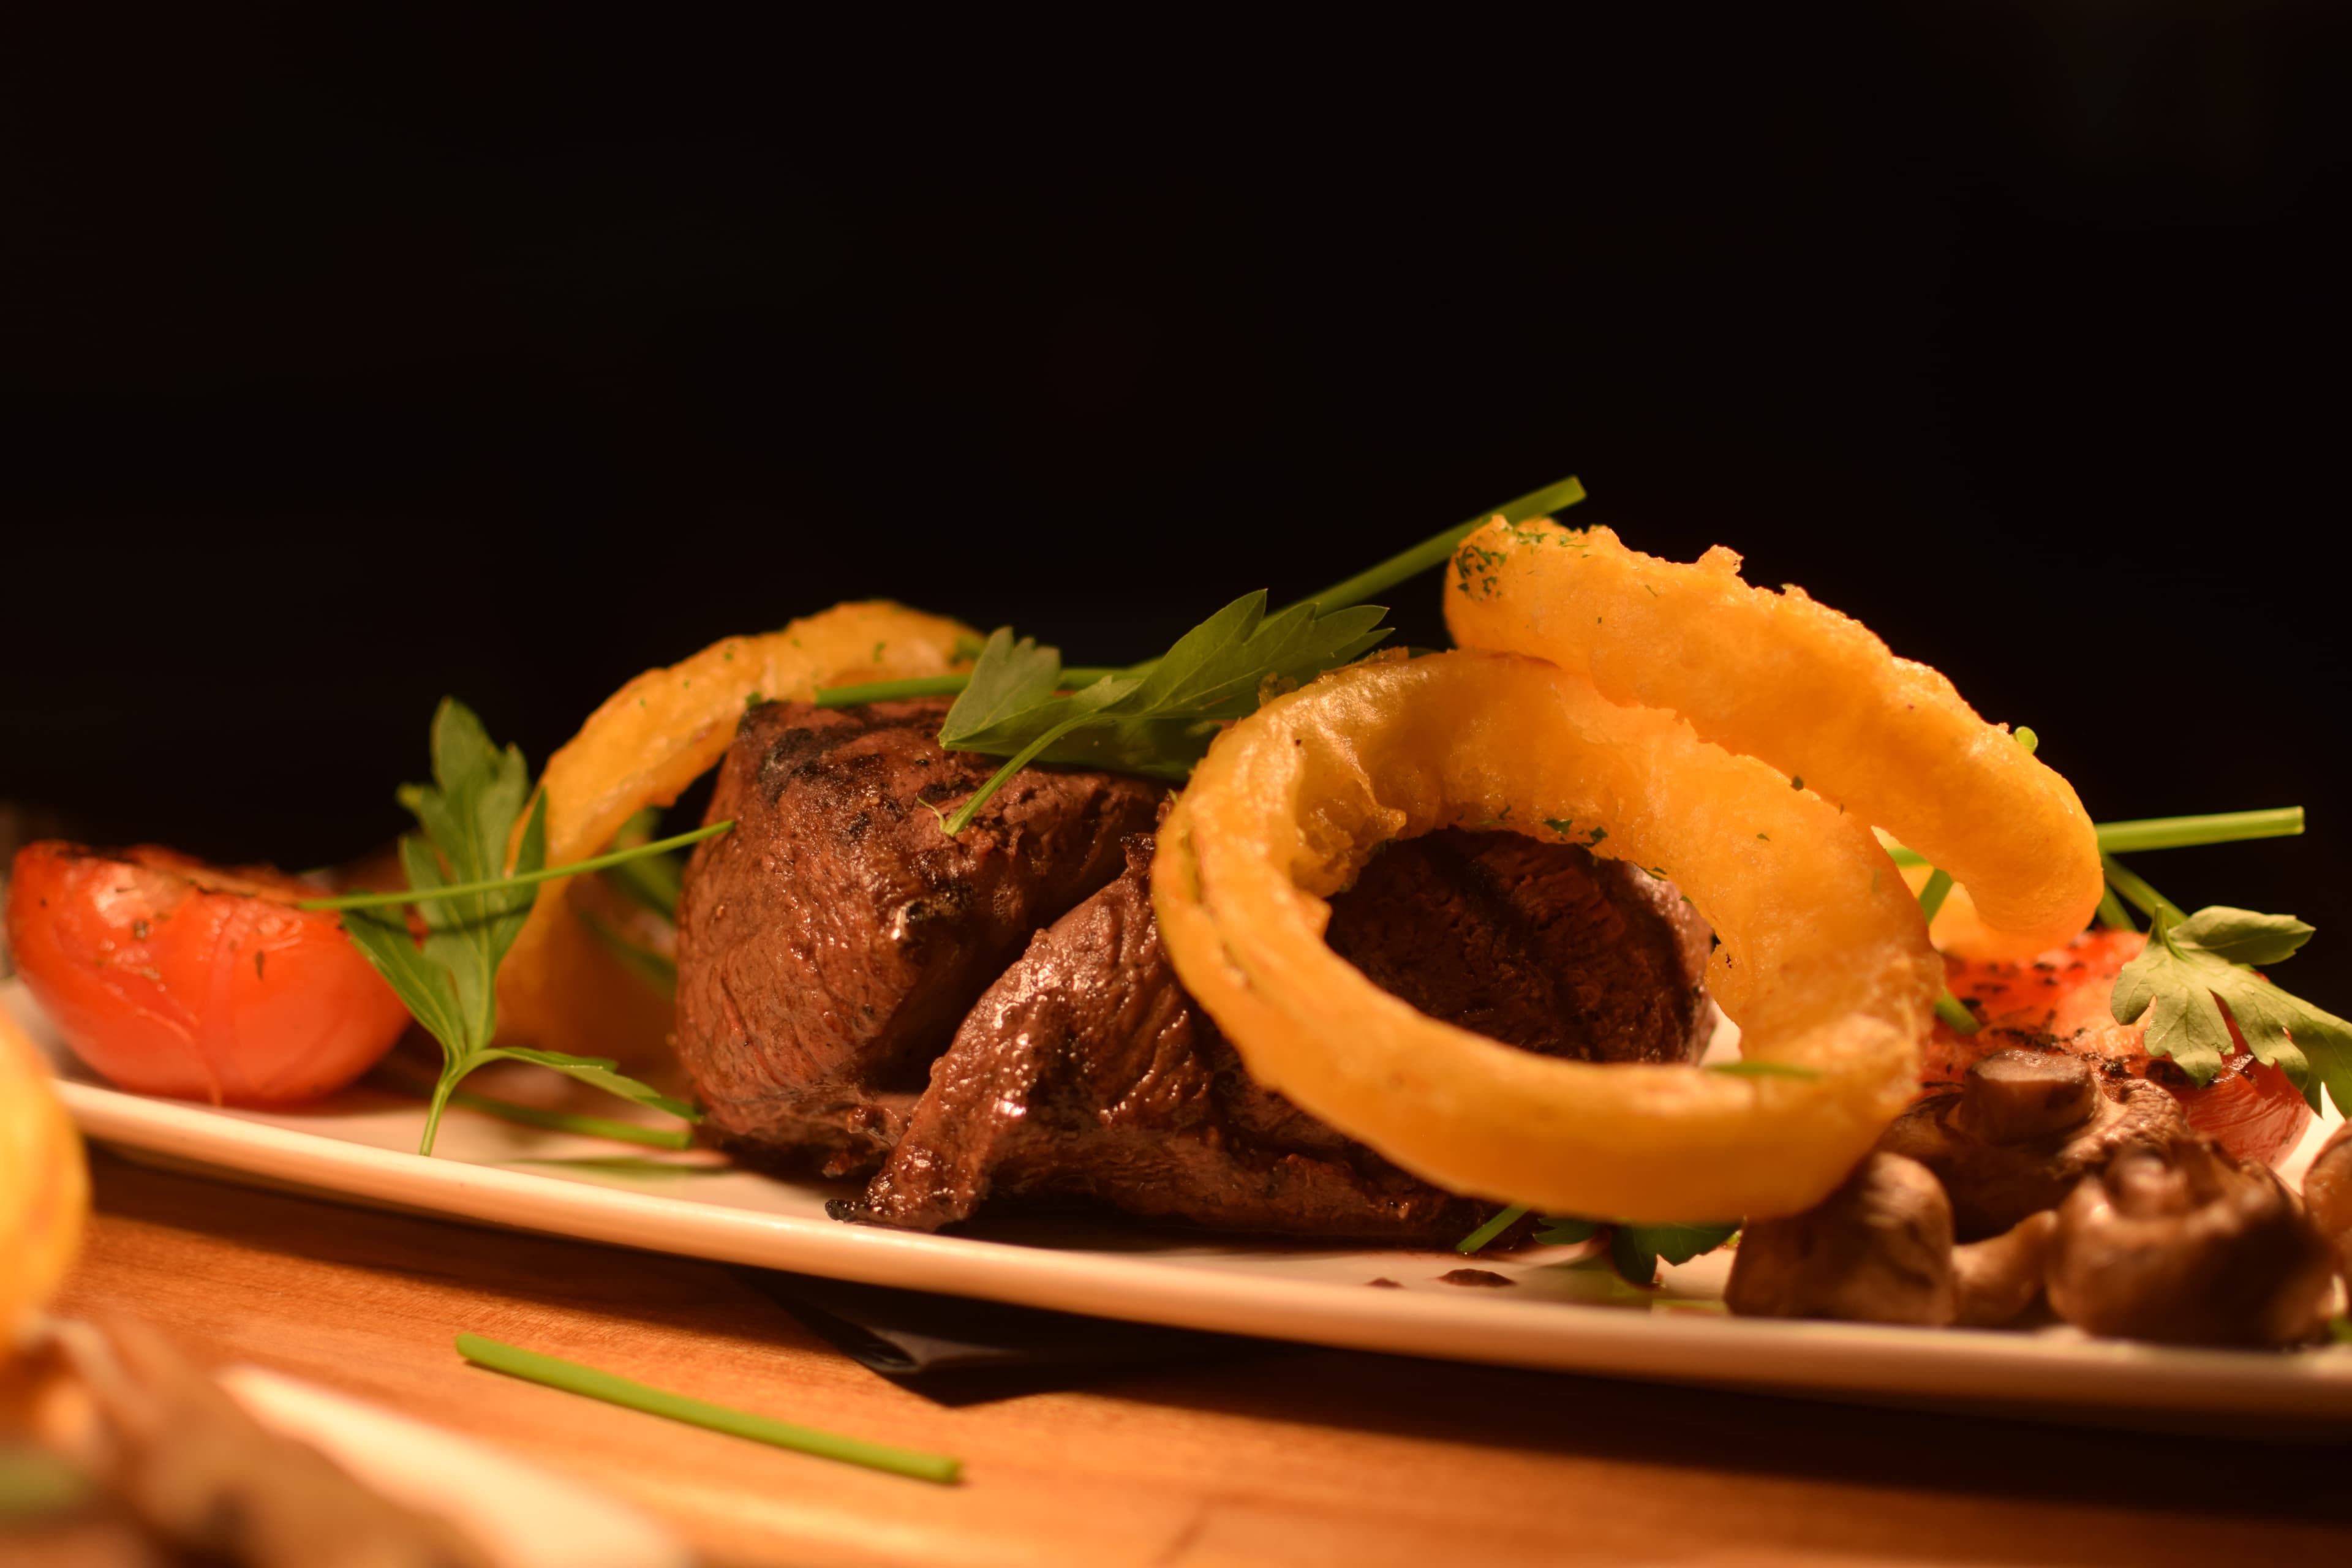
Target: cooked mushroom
[1994,1282]
[2327,1194]
[1877,1250]
[2189,1246]
[2024,1128]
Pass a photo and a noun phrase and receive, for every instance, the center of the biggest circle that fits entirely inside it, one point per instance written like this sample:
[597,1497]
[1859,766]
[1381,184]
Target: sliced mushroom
[2189,1246]
[2327,1194]
[2022,1130]
[1877,1250]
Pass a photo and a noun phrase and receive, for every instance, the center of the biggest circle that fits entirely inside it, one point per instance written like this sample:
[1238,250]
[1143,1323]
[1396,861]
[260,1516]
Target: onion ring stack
[1656,712]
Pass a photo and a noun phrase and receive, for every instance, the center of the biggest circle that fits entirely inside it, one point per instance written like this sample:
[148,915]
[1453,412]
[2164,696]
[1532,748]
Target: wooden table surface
[1294,1455]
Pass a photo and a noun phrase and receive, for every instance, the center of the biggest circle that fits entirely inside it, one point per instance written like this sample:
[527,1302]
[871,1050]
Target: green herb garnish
[1363,585]
[1762,1070]
[657,970]
[1157,722]
[516,880]
[473,905]
[1157,719]
[653,875]
[1502,1221]
[2195,978]
[2172,832]
[568,1121]
[1634,1250]
[573,1378]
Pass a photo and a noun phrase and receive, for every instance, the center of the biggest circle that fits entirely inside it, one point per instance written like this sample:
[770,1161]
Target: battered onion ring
[560,988]
[1807,689]
[1824,962]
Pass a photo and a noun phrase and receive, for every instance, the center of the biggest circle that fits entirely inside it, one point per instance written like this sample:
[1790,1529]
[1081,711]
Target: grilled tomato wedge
[173,978]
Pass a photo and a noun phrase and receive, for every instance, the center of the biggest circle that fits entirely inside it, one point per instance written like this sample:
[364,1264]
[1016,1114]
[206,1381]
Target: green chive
[2171,831]
[647,965]
[1763,1070]
[2183,832]
[1075,678]
[2134,886]
[571,1122]
[1953,1012]
[499,884]
[573,1378]
[892,690]
[1433,551]
[1932,896]
[2112,914]
[1490,1230]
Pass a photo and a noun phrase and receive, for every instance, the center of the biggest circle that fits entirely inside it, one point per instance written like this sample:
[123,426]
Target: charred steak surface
[830,944]
[1088,1071]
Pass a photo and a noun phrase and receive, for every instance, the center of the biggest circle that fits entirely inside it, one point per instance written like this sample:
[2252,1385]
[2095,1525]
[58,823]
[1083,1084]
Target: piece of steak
[1540,945]
[1088,1072]
[829,945]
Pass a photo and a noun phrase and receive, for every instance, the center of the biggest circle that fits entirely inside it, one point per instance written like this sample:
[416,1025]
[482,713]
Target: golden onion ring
[560,987]
[1824,959]
[44,1183]
[1813,692]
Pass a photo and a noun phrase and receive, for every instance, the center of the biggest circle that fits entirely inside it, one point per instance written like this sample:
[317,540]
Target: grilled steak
[830,944]
[1538,946]
[1088,1071]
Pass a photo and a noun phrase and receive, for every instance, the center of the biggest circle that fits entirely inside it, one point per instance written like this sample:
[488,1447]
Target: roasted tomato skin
[172,977]
[2062,1002]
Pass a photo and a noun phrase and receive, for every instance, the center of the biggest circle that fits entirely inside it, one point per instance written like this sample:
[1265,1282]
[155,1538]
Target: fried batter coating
[1813,692]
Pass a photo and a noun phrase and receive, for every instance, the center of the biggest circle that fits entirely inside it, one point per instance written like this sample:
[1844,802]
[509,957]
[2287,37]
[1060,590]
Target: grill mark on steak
[830,944]
[1087,1071]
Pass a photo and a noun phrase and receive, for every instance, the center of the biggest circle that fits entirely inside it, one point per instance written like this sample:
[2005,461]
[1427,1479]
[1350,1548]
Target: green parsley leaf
[467,814]
[1007,678]
[2191,982]
[1155,720]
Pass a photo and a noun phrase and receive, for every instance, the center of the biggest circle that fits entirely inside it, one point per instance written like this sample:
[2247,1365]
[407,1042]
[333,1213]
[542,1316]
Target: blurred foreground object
[44,1185]
[263,1470]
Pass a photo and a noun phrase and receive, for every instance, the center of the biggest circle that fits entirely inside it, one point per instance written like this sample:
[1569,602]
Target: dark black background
[345,362]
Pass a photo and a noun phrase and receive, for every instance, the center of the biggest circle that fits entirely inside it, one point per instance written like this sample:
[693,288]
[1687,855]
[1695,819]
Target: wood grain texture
[1295,1456]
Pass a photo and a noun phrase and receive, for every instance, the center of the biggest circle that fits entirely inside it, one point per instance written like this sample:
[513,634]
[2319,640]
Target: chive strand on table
[571,1376]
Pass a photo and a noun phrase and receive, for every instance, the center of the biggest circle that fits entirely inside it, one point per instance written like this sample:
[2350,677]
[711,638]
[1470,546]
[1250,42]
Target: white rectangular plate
[359,1146]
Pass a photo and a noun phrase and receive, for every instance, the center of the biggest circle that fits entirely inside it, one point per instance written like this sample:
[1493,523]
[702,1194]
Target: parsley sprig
[1157,719]
[2196,977]
[1365,584]
[473,906]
